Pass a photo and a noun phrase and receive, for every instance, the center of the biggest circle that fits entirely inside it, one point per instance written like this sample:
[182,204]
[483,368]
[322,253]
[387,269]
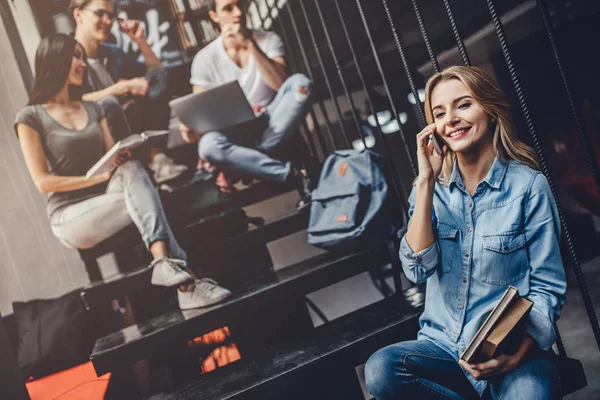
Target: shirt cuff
[541,329]
[424,261]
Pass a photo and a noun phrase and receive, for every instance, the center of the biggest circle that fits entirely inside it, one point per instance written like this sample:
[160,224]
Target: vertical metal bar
[432,57]
[542,160]
[585,140]
[387,88]
[459,42]
[309,138]
[294,65]
[317,127]
[411,83]
[325,76]
[401,197]
[311,75]
[340,74]
[559,342]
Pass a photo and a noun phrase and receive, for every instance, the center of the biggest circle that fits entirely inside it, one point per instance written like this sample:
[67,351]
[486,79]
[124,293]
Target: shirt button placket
[462,295]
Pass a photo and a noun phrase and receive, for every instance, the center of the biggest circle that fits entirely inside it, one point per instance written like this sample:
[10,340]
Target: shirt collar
[494,177]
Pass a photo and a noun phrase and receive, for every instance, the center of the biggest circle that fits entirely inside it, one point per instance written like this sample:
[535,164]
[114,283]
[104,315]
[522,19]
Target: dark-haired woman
[61,138]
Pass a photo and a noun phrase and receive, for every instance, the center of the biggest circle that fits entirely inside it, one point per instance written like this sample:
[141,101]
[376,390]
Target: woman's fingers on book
[495,366]
[123,157]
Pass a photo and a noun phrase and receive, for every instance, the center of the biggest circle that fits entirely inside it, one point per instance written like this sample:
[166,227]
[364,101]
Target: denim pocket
[447,235]
[504,258]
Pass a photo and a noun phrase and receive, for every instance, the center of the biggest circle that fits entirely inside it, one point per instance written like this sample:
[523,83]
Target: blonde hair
[489,96]
[80,4]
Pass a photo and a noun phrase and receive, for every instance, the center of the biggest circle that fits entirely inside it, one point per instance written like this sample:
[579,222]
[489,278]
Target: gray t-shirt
[68,152]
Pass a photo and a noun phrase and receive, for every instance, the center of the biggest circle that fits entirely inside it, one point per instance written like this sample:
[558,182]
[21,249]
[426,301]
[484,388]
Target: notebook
[107,162]
[500,329]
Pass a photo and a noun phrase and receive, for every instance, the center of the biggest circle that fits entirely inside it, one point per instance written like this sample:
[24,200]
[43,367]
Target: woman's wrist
[425,183]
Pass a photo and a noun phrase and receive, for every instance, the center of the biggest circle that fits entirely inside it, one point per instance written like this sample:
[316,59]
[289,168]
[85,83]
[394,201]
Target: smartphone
[437,143]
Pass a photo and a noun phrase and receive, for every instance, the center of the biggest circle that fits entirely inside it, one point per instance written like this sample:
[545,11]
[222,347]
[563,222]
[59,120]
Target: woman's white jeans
[129,197]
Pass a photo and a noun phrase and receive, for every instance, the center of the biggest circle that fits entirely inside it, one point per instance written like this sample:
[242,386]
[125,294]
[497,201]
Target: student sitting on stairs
[61,138]
[256,60]
[119,82]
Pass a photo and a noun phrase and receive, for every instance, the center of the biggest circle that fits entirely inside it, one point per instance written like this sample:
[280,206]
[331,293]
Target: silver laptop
[215,109]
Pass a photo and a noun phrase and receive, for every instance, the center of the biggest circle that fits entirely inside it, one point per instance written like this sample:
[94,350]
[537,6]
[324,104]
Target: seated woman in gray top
[61,138]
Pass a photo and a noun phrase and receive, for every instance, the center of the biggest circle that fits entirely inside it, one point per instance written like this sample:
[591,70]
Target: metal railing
[300,32]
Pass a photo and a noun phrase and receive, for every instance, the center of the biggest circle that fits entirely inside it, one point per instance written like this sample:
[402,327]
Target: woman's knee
[379,372]
[537,379]
[132,169]
[212,148]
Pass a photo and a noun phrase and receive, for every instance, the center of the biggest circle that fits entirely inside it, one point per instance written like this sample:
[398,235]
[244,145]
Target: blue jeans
[129,197]
[285,113]
[420,369]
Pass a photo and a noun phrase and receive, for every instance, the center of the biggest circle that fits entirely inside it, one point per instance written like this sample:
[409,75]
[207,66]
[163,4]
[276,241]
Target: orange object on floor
[215,337]
[220,357]
[75,383]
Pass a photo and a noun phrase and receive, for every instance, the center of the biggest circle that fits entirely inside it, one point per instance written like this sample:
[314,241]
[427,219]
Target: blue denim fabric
[507,233]
[420,369]
[118,64]
[285,114]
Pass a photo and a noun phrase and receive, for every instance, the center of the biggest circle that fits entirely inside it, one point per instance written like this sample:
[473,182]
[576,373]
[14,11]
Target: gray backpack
[350,206]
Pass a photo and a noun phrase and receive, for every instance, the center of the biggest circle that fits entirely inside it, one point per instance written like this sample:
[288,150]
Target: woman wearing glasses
[61,138]
[117,81]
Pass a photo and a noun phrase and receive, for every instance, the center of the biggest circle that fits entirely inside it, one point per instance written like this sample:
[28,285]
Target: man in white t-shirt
[256,60]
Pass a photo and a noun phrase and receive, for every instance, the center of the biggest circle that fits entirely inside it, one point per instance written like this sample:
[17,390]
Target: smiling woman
[61,138]
[468,96]
[481,217]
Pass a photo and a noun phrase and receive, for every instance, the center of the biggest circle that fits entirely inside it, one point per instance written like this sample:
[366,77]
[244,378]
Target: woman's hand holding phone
[430,160]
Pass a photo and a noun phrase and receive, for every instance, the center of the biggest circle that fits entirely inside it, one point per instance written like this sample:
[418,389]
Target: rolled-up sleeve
[547,274]
[420,265]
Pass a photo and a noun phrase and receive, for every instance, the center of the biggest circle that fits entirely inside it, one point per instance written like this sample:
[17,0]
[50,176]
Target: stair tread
[279,364]
[137,279]
[140,340]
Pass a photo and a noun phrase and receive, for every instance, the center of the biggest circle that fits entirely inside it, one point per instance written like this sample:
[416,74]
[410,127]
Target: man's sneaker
[165,169]
[203,292]
[169,272]
[304,186]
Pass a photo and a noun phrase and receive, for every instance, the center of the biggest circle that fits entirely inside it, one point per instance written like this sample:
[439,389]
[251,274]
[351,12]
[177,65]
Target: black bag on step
[53,335]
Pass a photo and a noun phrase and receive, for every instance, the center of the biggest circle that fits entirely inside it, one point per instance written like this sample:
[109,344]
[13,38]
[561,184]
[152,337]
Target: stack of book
[502,330]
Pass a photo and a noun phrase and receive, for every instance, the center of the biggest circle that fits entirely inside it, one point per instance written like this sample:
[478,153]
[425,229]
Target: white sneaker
[169,272]
[165,168]
[203,293]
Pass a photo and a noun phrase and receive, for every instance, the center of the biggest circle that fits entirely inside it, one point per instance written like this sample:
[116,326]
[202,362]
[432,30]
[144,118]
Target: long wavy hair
[486,92]
[53,60]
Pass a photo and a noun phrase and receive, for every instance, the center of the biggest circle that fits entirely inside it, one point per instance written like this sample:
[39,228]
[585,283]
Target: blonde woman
[482,217]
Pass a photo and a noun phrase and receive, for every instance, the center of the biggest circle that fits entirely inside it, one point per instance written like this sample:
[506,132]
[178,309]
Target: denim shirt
[507,233]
